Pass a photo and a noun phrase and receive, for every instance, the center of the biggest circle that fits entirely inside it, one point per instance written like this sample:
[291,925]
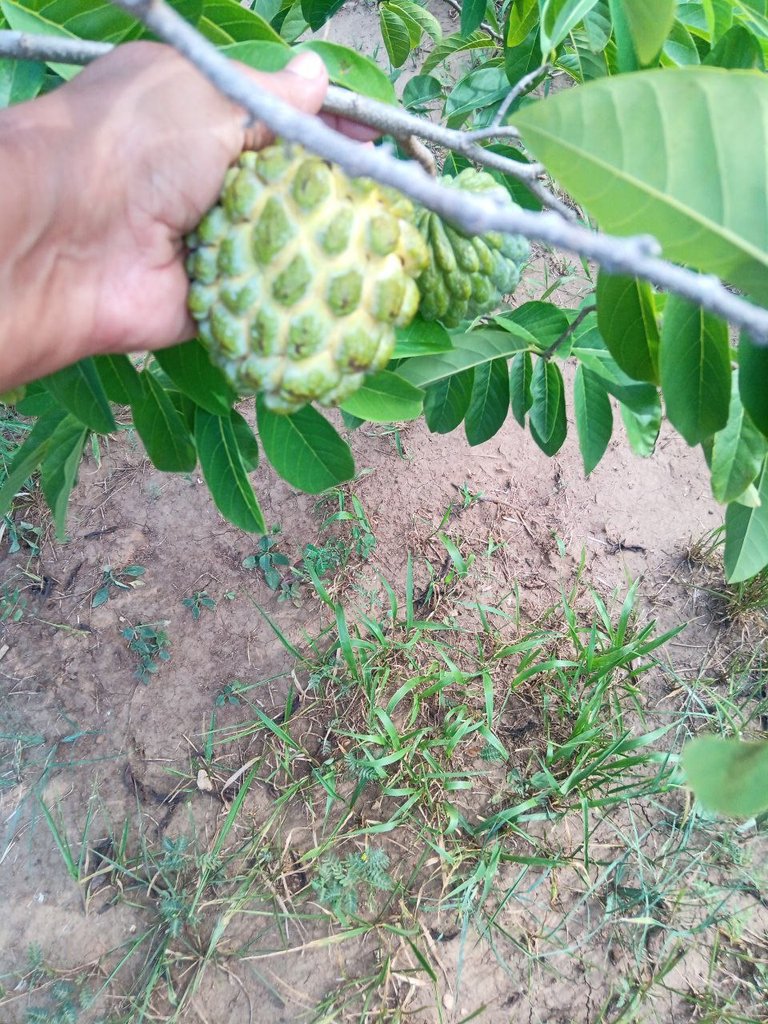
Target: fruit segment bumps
[300,275]
[467,276]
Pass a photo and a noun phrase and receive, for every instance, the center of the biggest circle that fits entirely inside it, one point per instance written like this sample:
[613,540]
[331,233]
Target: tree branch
[456,6]
[472,213]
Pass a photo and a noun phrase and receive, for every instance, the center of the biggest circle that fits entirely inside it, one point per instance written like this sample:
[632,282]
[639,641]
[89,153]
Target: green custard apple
[300,275]
[467,276]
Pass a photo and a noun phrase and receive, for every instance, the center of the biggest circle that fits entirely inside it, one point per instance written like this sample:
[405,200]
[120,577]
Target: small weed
[267,559]
[151,645]
[12,604]
[197,601]
[117,579]
[339,883]
[232,693]
[351,511]
[468,497]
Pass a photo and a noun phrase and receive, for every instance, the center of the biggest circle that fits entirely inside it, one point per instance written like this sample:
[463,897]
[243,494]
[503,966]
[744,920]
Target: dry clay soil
[67,673]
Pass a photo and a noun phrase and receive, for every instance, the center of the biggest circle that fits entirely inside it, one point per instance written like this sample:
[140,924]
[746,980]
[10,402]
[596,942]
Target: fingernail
[306,65]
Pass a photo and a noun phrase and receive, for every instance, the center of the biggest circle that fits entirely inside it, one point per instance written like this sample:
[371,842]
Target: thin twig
[474,214]
[582,314]
[526,83]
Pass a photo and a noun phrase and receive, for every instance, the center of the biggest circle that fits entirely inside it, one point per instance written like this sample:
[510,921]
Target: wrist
[41,302]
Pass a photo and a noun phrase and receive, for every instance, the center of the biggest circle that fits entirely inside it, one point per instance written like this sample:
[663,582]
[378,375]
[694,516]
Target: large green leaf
[594,418]
[317,12]
[737,49]
[119,378]
[28,457]
[543,322]
[728,775]
[191,370]
[738,452]
[547,390]
[746,535]
[753,375]
[87,19]
[590,349]
[552,445]
[472,15]
[20,80]
[695,370]
[456,44]
[627,321]
[228,21]
[470,349]
[447,401]
[161,428]
[489,402]
[218,445]
[522,18]
[385,398]
[421,338]
[427,21]
[304,448]
[58,470]
[352,70]
[394,32]
[617,146]
[557,19]
[480,88]
[78,388]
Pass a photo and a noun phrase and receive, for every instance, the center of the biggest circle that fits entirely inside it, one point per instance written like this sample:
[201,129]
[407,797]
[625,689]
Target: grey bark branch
[474,214]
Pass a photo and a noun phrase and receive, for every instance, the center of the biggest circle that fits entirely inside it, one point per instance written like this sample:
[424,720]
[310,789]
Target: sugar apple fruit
[299,276]
[467,276]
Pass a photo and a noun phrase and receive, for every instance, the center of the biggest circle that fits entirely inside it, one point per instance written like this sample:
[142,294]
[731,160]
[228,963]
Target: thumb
[303,83]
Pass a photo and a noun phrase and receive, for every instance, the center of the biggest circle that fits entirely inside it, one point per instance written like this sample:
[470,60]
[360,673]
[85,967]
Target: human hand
[108,173]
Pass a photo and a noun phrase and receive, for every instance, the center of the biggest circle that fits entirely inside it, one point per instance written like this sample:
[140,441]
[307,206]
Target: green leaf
[753,374]
[520,373]
[317,12]
[522,18]
[304,448]
[119,378]
[737,49]
[456,44]
[627,321]
[547,391]
[489,404]
[552,445]
[228,21]
[719,17]
[191,370]
[219,447]
[414,28]
[738,452]
[470,349]
[542,322]
[477,90]
[20,80]
[88,19]
[420,91]
[594,418]
[394,32]
[472,15]
[520,60]
[615,146]
[247,444]
[78,388]
[680,48]
[385,398]
[649,23]
[29,456]
[695,370]
[728,775]
[58,470]
[161,429]
[428,22]
[642,429]
[558,18]
[421,338]
[447,401]
[746,535]
[352,70]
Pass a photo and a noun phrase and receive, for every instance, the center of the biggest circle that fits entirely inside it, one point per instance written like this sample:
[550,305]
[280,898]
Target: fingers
[303,83]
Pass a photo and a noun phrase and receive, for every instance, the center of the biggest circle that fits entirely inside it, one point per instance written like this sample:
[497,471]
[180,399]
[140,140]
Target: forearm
[39,295]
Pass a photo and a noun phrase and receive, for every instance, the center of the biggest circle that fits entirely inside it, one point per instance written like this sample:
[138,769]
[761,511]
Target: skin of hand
[99,182]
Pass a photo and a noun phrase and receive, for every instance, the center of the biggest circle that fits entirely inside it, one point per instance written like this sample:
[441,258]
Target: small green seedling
[267,560]
[199,599]
[151,645]
[119,579]
[12,604]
